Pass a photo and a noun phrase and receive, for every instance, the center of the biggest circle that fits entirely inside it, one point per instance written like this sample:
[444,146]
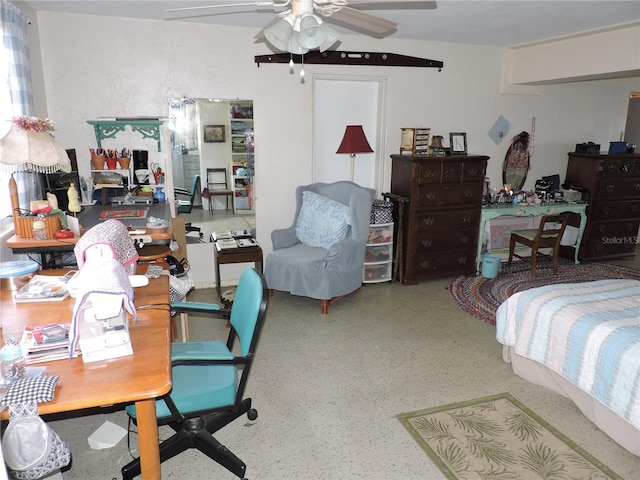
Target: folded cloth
[99,277]
[31,389]
[112,233]
[31,448]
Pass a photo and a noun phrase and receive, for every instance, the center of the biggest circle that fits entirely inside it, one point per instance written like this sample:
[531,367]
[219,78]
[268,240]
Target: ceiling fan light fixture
[331,37]
[279,34]
[312,32]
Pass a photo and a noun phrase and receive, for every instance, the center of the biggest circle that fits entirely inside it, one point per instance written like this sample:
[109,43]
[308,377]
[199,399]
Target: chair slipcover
[317,272]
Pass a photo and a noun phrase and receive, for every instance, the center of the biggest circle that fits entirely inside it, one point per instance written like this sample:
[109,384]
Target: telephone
[177,267]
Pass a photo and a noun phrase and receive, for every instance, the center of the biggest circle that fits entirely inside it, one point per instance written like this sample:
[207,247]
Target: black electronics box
[588,147]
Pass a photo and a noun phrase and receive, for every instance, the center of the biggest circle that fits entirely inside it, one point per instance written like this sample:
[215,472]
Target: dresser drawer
[429,172]
[610,246]
[443,264]
[433,242]
[448,194]
[474,172]
[614,211]
[444,221]
[620,228]
[619,167]
[618,188]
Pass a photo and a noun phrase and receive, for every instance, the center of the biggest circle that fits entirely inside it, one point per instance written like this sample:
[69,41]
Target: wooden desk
[521,210]
[140,378]
[89,217]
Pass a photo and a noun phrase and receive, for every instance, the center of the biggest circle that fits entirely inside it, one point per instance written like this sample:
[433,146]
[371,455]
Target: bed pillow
[321,221]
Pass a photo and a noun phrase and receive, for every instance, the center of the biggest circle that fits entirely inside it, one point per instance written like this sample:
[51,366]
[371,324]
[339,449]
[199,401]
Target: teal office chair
[184,206]
[209,379]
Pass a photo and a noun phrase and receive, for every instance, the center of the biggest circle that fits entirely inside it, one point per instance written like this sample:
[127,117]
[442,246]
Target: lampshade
[354,141]
[28,150]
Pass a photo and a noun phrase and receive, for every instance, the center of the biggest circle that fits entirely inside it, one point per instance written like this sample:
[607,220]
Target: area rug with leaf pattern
[481,297]
[498,437]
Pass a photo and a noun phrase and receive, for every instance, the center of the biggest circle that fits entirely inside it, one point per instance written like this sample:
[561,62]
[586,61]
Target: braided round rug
[481,297]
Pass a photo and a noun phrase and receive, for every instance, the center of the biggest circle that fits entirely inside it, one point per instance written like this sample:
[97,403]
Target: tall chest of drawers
[613,195]
[440,223]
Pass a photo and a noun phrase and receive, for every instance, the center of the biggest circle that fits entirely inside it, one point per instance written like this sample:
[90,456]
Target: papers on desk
[44,288]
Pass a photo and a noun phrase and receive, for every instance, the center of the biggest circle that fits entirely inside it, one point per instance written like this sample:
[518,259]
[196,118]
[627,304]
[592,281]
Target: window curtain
[16,93]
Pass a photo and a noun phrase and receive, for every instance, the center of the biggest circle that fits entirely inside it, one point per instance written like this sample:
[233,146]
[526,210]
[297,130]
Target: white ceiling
[480,22]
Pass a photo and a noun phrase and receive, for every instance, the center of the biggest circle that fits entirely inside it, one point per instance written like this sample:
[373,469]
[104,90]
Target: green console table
[111,128]
[522,210]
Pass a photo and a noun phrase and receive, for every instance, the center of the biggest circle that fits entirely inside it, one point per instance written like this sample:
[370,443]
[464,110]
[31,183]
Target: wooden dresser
[613,195]
[440,224]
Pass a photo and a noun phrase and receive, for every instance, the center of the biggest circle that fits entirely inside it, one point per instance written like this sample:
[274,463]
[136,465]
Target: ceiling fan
[304,25]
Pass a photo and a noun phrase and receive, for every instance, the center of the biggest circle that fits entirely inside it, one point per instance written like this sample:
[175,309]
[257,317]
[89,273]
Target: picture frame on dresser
[458,143]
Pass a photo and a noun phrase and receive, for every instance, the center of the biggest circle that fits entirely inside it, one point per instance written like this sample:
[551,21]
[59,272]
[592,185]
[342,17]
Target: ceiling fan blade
[225,5]
[393,5]
[362,22]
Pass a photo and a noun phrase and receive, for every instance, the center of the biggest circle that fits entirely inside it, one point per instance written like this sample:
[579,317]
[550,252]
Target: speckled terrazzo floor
[327,389]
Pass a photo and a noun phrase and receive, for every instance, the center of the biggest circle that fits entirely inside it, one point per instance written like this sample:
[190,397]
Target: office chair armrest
[284,238]
[212,309]
[205,352]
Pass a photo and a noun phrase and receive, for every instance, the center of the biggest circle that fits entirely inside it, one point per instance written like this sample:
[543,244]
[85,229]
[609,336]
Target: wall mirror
[208,133]
[516,161]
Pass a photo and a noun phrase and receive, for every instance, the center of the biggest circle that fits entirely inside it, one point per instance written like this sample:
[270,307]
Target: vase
[111,163]
[124,163]
[97,161]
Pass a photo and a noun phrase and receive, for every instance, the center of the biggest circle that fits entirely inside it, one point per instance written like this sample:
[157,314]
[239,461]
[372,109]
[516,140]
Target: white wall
[99,66]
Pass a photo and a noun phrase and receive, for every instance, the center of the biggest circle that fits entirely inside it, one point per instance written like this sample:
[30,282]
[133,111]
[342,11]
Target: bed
[581,340]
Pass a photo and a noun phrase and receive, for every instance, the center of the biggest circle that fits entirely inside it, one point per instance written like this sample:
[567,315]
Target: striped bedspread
[587,332]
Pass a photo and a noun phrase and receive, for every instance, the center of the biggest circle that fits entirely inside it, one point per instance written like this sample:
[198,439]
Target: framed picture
[458,142]
[213,133]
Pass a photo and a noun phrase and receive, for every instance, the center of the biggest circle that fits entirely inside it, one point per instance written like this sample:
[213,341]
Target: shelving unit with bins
[241,113]
[378,255]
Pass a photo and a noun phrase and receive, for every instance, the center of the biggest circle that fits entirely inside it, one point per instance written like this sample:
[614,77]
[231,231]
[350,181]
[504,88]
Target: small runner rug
[481,297]
[498,437]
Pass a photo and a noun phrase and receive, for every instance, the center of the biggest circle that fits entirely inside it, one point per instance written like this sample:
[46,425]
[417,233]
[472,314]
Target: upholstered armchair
[322,253]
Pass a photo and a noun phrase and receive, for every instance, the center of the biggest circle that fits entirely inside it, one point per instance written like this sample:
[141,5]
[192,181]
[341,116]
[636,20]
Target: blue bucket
[490,266]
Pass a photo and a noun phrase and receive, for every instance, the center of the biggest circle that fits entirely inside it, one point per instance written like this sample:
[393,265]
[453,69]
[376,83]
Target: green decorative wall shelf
[111,128]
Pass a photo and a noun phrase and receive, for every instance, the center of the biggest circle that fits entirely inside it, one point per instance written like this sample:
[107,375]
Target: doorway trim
[381,116]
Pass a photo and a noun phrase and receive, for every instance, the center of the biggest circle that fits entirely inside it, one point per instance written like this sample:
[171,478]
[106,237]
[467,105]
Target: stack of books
[44,343]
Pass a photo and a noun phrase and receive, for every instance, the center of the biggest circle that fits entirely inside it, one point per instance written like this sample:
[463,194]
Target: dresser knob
[430,196]
[464,240]
[610,187]
[425,265]
[632,227]
[431,173]
[611,168]
[602,228]
[626,167]
[462,260]
[468,194]
[429,221]
[466,219]
[473,172]
[636,187]
[427,243]
[605,210]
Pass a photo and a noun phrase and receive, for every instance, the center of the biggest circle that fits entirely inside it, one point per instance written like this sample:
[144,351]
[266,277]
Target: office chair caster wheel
[252,414]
